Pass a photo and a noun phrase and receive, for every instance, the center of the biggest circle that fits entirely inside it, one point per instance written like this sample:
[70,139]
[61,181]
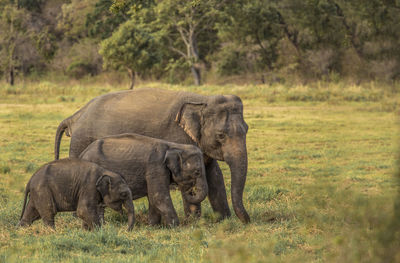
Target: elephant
[72,184]
[150,166]
[213,123]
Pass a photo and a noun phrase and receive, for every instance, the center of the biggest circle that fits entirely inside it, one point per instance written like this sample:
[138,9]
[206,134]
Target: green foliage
[46,44]
[106,17]
[31,167]
[13,25]
[25,43]
[185,30]
[5,169]
[292,40]
[131,47]
[231,61]
[31,5]
[262,193]
[79,69]
[254,27]
[73,18]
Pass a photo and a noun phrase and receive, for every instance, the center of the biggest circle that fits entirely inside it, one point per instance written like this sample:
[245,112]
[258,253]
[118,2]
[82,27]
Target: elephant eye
[197,173]
[124,194]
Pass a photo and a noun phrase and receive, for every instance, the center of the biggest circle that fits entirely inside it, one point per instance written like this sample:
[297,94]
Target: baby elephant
[149,166]
[75,185]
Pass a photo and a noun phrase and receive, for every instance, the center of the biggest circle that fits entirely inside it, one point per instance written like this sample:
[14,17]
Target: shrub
[79,69]
[231,62]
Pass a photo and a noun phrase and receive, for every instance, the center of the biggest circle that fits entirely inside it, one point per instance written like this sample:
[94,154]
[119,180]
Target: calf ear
[173,160]
[190,118]
[103,185]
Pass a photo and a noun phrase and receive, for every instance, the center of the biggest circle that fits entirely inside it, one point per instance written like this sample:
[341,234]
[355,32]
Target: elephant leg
[100,210]
[154,215]
[90,220]
[170,218]
[90,217]
[216,190]
[165,207]
[191,209]
[159,196]
[85,225]
[48,220]
[30,215]
[45,206]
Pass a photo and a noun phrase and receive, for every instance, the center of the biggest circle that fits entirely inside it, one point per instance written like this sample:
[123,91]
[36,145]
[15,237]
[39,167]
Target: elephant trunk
[128,204]
[238,167]
[200,190]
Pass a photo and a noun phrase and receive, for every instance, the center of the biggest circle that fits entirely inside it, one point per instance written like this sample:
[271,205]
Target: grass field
[321,183]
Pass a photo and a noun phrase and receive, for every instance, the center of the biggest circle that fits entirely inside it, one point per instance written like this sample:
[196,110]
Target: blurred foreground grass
[321,182]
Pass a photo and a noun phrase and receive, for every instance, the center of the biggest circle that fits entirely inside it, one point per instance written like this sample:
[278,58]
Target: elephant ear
[103,185]
[190,118]
[173,160]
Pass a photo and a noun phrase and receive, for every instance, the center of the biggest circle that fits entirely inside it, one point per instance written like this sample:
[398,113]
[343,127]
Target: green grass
[320,185]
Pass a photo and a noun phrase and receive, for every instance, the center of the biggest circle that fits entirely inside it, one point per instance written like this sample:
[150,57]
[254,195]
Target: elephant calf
[75,185]
[149,166]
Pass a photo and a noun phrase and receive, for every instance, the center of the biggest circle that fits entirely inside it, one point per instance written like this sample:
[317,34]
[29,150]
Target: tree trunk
[193,53]
[196,75]
[132,78]
[11,76]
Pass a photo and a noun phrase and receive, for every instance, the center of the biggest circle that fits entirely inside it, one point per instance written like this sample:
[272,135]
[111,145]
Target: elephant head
[187,169]
[218,128]
[115,192]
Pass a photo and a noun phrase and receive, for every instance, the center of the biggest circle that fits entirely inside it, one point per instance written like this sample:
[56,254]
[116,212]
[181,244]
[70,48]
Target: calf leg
[30,214]
[158,193]
[100,211]
[44,203]
[89,215]
[165,207]
[191,209]
[154,215]
[85,225]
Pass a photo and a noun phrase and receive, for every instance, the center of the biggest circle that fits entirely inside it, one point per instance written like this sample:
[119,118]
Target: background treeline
[175,41]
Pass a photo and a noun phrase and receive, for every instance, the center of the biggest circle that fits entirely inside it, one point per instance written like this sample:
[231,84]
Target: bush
[231,62]
[78,60]
[79,69]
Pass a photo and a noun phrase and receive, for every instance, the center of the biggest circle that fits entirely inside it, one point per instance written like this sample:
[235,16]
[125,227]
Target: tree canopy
[179,40]
[130,48]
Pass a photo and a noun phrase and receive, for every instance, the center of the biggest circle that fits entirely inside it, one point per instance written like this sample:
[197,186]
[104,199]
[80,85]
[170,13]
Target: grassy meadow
[321,183]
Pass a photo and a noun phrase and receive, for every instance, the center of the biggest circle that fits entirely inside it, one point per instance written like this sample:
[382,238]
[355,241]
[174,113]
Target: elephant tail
[64,126]
[27,190]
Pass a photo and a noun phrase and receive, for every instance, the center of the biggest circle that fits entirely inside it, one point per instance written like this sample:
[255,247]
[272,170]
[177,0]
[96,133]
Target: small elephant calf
[149,166]
[75,185]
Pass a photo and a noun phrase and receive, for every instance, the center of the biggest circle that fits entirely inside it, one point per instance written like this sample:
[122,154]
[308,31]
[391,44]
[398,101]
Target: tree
[183,27]
[130,47]
[106,17]
[376,26]
[31,5]
[14,35]
[253,27]
[72,20]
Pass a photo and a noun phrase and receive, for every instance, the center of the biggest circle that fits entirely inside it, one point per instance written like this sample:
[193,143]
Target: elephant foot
[22,223]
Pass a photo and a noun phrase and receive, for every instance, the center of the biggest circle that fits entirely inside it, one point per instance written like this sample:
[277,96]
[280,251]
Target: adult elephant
[214,123]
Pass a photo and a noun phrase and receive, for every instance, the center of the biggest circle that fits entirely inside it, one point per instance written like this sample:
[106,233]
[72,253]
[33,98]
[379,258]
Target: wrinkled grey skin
[75,185]
[214,123]
[149,166]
